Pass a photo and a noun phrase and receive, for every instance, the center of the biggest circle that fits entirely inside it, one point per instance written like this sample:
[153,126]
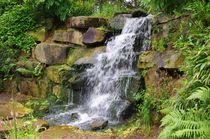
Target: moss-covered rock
[58,73]
[69,132]
[77,53]
[39,35]
[169,59]
[10,110]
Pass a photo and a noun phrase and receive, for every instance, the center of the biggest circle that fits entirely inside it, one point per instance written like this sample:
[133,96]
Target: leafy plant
[61,8]
[13,27]
[188,117]
[108,10]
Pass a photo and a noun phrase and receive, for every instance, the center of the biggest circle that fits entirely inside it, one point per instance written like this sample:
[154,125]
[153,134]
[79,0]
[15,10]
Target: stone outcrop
[40,35]
[68,36]
[51,53]
[169,59]
[82,22]
[94,37]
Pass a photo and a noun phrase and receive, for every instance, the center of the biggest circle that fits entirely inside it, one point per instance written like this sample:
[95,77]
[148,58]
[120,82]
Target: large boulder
[68,36]
[94,37]
[85,22]
[51,53]
[169,59]
[118,21]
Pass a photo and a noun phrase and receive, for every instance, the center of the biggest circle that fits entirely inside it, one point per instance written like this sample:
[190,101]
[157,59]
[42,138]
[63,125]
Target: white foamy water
[104,90]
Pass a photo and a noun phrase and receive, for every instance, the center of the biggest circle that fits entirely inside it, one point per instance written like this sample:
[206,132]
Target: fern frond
[202,93]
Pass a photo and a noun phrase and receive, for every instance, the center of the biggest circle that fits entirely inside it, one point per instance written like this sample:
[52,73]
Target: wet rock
[90,59]
[58,73]
[98,124]
[169,59]
[51,53]
[74,116]
[121,109]
[139,13]
[85,22]
[134,85]
[68,36]
[94,37]
[118,21]
[10,110]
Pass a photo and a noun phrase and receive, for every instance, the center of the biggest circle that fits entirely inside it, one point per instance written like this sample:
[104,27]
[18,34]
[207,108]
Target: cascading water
[104,90]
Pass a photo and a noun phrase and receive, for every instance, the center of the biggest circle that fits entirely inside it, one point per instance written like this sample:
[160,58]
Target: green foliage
[39,106]
[186,125]
[13,27]
[61,8]
[29,132]
[163,5]
[188,116]
[108,10]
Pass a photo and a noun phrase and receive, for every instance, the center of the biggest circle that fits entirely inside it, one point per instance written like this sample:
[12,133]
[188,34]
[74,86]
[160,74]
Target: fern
[202,94]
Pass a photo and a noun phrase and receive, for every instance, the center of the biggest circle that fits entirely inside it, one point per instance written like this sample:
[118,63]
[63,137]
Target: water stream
[104,91]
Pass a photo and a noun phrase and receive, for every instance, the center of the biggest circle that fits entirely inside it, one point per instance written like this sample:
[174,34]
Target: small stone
[99,124]
[74,116]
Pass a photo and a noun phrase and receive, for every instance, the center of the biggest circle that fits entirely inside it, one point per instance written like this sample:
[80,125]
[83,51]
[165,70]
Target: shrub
[61,9]
[13,27]
[108,10]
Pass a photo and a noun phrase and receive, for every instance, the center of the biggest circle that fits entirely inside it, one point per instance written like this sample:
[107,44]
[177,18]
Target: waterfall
[103,89]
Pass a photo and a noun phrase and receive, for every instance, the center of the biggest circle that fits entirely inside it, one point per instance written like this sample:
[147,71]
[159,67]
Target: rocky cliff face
[57,63]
